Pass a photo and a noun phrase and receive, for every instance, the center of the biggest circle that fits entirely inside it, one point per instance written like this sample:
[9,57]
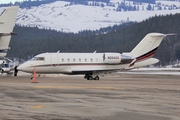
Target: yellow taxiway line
[38,107]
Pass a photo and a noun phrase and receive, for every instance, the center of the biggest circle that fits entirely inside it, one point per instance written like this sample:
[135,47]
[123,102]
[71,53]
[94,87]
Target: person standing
[15,70]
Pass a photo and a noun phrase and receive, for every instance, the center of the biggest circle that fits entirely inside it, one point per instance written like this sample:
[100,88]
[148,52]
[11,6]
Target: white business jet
[7,23]
[94,64]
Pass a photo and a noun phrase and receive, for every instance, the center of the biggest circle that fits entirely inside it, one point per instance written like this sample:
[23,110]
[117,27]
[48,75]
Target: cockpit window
[37,59]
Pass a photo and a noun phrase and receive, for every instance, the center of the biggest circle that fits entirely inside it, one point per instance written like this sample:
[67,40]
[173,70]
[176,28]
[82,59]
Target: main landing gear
[90,77]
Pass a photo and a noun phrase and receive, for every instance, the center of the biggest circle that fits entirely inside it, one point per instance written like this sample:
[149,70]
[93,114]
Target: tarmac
[116,97]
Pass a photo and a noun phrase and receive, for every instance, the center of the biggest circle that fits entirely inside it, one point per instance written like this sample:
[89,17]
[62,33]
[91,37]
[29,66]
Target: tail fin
[148,45]
[7,22]
[145,50]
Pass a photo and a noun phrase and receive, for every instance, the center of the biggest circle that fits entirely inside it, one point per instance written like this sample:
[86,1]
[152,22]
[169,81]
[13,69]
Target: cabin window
[62,59]
[96,59]
[85,60]
[74,60]
[68,60]
[34,58]
[38,59]
[91,60]
[79,59]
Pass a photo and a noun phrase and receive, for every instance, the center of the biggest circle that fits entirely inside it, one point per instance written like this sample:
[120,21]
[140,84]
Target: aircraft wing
[96,72]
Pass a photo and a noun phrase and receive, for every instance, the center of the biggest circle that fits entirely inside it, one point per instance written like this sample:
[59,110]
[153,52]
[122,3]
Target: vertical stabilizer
[145,50]
[148,45]
[142,54]
[7,22]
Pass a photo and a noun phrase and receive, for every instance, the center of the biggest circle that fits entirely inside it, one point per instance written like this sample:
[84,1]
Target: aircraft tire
[96,78]
[89,78]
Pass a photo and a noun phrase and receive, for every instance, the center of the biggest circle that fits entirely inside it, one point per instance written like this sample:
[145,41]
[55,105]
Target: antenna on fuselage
[58,51]
[95,51]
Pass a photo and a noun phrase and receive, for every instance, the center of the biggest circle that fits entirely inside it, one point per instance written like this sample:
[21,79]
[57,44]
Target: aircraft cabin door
[54,61]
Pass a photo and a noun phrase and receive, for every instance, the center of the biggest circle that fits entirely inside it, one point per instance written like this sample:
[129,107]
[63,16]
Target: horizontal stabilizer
[164,35]
[7,34]
[147,62]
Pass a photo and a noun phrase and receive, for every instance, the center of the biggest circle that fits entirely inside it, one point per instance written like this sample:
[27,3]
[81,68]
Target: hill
[77,15]
[123,38]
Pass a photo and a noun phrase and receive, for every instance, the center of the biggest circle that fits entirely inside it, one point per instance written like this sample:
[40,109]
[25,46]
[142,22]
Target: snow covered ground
[154,71]
[61,16]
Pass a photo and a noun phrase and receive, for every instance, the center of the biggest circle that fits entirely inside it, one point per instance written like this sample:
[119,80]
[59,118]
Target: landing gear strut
[90,77]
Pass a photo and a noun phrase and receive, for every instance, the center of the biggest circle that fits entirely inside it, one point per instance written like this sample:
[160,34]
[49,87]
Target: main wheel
[89,78]
[96,78]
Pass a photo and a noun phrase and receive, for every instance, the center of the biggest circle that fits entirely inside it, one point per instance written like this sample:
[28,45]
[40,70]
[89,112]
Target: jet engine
[116,58]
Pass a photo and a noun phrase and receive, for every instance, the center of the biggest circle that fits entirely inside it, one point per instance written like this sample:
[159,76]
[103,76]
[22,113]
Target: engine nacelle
[116,58]
[2,61]
[112,58]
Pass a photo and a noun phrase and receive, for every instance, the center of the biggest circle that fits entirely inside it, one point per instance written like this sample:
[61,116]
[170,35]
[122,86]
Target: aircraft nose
[26,67]
[20,68]
[23,67]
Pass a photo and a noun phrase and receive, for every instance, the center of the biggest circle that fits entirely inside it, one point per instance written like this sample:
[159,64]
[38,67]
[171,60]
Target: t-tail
[146,49]
[7,22]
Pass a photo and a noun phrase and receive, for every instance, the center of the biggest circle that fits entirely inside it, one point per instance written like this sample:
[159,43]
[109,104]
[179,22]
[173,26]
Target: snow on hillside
[62,16]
